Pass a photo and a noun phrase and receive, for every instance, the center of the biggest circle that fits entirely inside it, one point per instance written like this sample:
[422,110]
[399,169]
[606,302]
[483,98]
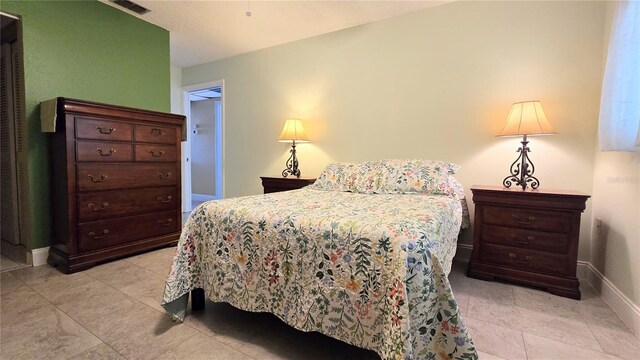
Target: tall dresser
[116,182]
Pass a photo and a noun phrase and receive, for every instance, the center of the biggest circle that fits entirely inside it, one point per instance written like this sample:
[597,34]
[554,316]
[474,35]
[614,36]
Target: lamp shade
[526,118]
[293,130]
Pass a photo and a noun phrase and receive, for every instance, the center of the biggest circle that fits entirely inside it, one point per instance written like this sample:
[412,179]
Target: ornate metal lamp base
[292,163]
[522,169]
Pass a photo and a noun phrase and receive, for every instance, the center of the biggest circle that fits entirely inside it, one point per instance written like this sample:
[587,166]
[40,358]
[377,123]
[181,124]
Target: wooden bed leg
[197,299]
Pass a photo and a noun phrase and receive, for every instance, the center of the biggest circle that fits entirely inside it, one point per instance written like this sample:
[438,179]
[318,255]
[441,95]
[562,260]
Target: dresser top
[91,108]
[533,192]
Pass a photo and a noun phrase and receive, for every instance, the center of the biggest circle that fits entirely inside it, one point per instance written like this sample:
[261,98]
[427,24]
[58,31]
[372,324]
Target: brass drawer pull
[105,232]
[515,259]
[104,153]
[164,201]
[165,223]
[105,131]
[525,241]
[528,221]
[160,132]
[156,154]
[97,179]
[164,176]
[93,206]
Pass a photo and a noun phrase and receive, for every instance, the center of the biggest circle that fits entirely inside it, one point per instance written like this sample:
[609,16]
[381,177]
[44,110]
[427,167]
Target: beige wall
[203,176]
[434,84]
[176,90]
[615,248]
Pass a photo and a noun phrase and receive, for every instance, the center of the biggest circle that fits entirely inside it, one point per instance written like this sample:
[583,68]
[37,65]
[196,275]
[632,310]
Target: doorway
[203,157]
[13,149]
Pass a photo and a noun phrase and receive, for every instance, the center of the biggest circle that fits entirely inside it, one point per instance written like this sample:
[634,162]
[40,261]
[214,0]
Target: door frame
[219,144]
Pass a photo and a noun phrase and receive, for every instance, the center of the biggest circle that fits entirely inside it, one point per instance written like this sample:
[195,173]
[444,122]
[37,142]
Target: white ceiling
[203,31]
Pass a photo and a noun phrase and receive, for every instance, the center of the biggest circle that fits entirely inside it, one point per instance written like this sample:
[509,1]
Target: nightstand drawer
[530,260]
[526,239]
[527,219]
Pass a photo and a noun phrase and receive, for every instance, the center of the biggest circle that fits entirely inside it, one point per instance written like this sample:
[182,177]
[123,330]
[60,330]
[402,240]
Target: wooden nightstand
[276,184]
[528,236]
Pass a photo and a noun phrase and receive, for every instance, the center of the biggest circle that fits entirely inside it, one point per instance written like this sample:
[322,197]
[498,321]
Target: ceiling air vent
[130,5]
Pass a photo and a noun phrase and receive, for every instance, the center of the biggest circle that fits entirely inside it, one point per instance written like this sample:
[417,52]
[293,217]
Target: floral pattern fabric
[417,176]
[362,177]
[370,270]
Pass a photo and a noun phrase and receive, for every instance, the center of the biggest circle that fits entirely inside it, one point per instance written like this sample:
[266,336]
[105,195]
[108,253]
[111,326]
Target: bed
[362,256]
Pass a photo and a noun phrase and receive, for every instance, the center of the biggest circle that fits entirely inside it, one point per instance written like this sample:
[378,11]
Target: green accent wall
[90,51]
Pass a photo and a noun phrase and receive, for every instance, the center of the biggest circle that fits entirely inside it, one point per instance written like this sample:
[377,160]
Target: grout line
[524,342]
[596,338]
[69,316]
[466,310]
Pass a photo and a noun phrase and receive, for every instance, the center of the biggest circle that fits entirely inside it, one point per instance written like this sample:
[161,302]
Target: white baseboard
[202,197]
[619,302]
[38,256]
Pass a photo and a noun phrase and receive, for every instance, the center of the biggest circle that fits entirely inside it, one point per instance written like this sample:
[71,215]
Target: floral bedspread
[370,270]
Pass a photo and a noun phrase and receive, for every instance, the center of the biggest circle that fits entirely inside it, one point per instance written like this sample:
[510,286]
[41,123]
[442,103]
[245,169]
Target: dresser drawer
[103,130]
[103,151]
[527,239]
[117,203]
[100,234]
[116,176]
[158,153]
[527,219]
[529,260]
[155,134]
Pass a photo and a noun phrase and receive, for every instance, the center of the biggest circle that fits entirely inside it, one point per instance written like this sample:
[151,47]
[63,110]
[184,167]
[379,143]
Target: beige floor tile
[148,291]
[158,261]
[540,348]
[495,292]
[6,263]
[591,309]
[140,332]
[486,356]
[100,352]
[497,340]
[91,301]
[51,336]
[618,343]
[200,346]
[554,327]
[49,281]
[23,306]
[9,282]
[119,274]
[462,300]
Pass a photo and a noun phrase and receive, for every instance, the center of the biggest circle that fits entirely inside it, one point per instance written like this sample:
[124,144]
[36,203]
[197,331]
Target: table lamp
[527,119]
[293,131]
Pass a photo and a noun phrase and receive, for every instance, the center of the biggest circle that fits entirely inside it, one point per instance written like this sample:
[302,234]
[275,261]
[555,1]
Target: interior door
[9,211]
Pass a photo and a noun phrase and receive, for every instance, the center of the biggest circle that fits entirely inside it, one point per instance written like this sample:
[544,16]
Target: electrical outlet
[598,226]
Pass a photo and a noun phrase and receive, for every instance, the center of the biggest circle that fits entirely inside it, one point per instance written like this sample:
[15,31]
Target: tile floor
[113,311]
[7,264]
